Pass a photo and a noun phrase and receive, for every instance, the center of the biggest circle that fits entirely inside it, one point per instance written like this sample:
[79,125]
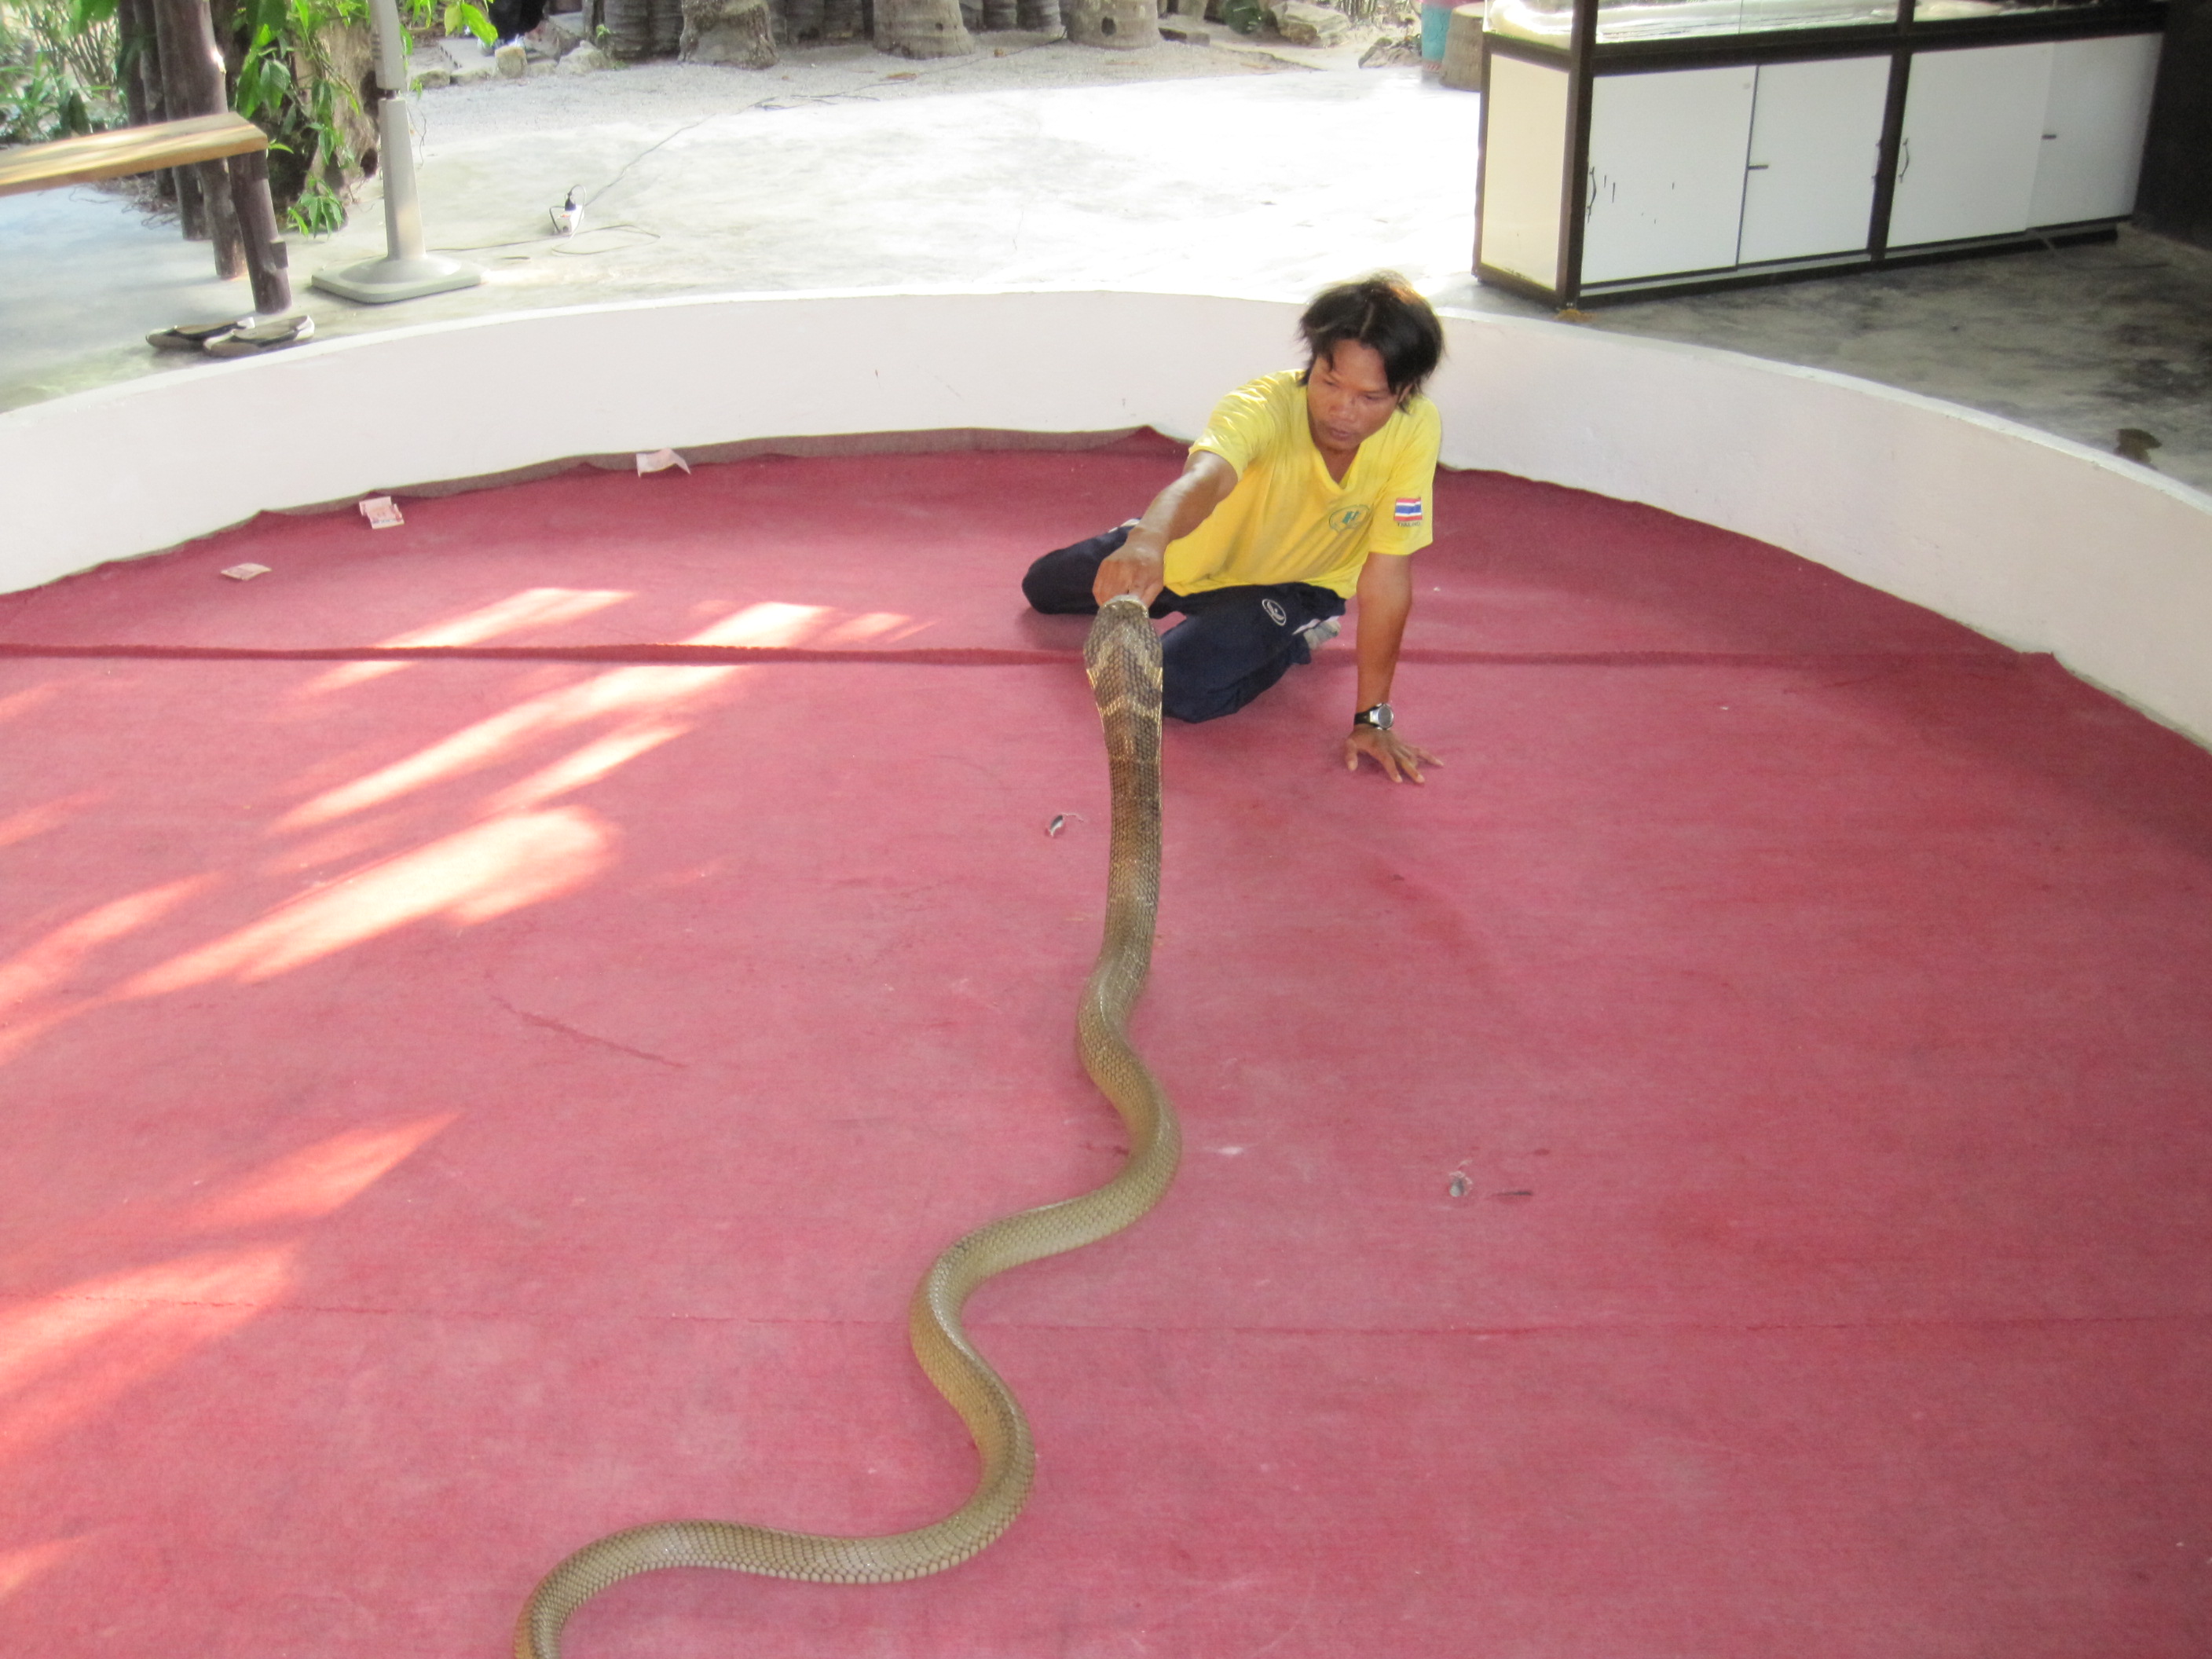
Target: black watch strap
[1379,717]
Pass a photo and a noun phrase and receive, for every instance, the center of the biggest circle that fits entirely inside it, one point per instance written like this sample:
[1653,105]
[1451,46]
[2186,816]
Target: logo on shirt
[1350,516]
[1408,510]
[1276,614]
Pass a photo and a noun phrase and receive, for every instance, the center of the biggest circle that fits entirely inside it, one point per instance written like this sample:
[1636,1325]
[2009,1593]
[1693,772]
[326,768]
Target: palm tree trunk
[1119,24]
[728,31]
[922,28]
[629,27]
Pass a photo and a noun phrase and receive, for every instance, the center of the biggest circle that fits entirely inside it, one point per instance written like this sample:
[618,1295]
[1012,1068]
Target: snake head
[1121,644]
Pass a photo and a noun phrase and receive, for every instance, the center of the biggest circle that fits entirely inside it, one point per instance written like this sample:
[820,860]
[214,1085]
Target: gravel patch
[857,73]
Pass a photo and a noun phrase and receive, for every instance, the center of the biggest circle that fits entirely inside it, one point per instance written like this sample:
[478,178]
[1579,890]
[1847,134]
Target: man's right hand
[1139,566]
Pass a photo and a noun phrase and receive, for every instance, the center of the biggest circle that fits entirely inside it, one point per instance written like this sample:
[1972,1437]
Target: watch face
[1381,716]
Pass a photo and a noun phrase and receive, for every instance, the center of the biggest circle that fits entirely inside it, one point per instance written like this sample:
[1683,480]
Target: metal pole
[406,271]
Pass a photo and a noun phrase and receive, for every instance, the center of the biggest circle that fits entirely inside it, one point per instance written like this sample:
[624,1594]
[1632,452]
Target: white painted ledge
[2043,543]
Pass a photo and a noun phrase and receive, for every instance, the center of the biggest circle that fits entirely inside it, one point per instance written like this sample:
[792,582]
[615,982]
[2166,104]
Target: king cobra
[1123,656]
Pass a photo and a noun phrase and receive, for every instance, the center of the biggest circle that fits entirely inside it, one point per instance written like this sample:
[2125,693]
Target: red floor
[455,1107]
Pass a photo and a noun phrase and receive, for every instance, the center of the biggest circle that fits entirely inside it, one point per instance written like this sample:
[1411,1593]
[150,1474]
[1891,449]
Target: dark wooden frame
[1585,60]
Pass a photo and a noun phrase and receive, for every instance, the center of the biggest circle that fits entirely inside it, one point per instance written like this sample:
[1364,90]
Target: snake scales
[1123,656]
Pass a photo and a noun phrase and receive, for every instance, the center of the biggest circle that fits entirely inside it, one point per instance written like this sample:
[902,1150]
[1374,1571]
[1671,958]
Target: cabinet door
[1973,134]
[1524,167]
[2093,129]
[1815,145]
[1665,188]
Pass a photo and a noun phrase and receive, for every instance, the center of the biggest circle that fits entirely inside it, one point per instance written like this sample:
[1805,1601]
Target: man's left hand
[1398,759]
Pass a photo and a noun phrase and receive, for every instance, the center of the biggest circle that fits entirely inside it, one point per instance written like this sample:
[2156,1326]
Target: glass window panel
[1531,20]
[1945,11]
[1667,20]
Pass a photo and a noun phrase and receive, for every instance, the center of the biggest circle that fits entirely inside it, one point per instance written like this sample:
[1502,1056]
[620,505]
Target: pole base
[380,282]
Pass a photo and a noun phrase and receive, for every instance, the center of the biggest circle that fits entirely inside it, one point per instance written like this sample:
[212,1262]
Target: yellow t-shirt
[1287,520]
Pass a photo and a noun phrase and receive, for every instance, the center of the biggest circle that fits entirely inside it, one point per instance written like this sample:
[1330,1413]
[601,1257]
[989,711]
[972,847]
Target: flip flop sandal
[264,337]
[192,336]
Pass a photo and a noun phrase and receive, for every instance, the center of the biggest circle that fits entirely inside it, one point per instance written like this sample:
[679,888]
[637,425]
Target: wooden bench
[127,150]
[195,141]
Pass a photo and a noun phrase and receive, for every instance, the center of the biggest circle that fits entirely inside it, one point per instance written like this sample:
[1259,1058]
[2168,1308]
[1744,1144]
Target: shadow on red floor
[460,1104]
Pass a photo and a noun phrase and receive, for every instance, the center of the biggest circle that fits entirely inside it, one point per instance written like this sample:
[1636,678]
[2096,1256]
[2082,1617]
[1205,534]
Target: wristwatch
[1379,717]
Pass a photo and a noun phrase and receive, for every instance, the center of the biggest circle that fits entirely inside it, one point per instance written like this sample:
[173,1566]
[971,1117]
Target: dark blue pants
[1233,644]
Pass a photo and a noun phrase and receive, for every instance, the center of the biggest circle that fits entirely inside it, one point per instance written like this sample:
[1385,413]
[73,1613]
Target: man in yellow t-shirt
[1304,491]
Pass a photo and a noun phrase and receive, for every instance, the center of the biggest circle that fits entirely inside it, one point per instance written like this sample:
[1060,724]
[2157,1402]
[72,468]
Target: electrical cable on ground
[576,203]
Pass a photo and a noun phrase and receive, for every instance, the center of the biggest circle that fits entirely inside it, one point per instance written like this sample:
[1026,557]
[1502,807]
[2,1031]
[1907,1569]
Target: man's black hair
[1381,311]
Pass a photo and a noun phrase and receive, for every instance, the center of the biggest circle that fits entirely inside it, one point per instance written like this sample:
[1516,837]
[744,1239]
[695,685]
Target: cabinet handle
[1757,167]
[1590,200]
[1905,162]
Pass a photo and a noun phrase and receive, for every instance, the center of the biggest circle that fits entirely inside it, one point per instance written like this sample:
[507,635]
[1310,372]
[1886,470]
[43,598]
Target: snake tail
[1123,657]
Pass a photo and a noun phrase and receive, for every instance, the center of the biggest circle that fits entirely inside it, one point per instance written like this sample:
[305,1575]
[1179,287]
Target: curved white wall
[2040,542]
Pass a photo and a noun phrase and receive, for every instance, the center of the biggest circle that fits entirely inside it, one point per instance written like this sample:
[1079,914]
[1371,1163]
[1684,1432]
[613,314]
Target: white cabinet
[1999,138]
[1815,148]
[1703,169]
[2093,129]
[1664,193]
[1973,133]
[1742,171]
[1525,126]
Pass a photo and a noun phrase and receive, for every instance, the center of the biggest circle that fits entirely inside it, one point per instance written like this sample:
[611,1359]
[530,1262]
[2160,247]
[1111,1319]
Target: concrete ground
[2079,341]
[843,168]
[1228,167]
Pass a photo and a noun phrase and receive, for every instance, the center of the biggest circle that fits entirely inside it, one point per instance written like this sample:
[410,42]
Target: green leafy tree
[288,84]
[58,70]
[62,66]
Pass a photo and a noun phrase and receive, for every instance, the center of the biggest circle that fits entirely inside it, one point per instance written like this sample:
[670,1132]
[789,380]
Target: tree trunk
[629,27]
[1118,25]
[192,68]
[139,63]
[130,25]
[922,28]
[668,21]
[728,31]
[146,66]
[843,20]
[193,71]
[1042,16]
[191,216]
[1001,15]
[266,256]
[223,23]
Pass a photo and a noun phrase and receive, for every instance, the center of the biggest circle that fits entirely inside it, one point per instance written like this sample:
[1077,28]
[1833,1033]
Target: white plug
[568,217]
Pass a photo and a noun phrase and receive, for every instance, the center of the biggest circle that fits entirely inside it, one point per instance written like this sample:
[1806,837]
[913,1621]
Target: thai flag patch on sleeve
[1408,510]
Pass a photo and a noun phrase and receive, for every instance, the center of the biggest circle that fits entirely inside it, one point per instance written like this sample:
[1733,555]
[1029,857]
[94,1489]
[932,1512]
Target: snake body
[1123,656]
